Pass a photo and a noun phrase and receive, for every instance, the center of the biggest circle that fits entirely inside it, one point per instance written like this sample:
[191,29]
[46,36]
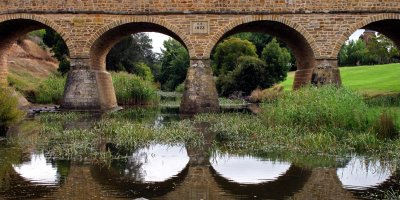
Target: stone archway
[12,27]
[295,36]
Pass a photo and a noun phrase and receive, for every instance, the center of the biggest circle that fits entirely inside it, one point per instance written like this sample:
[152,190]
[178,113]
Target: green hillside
[370,80]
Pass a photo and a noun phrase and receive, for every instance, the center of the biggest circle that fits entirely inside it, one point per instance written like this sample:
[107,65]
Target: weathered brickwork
[314,30]
[197,6]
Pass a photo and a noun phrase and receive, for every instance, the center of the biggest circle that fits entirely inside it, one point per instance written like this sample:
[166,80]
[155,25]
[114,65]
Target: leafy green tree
[258,39]
[226,54]
[174,65]
[354,53]
[60,49]
[131,53]
[251,73]
[277,60]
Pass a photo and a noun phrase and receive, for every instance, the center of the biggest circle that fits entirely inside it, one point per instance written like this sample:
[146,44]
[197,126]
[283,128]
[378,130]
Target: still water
[160,171]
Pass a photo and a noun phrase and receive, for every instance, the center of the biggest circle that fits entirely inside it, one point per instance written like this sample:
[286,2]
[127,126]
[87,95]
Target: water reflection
[247,169]
[156,163]
[38,171]
[361,173]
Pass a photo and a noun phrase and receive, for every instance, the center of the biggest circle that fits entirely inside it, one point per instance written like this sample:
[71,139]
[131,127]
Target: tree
[226,54]
[130,53]
[258,39]
[174,65]
[250,74]
[277,60]
[60,49]
[354,53]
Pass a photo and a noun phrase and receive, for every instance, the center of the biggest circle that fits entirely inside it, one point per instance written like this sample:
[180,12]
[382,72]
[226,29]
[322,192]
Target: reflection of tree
[9,155]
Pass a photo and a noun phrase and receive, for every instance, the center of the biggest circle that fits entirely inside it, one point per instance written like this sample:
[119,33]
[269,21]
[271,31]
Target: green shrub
[9,112]
[180,88]
[133,90]
[317,108]
[51,90]
[250,73]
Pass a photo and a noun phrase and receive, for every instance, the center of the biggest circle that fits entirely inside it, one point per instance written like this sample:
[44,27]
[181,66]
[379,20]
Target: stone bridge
[314,31]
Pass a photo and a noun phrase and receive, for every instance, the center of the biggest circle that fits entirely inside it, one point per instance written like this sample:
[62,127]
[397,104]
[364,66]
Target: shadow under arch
[284,186]
[299,41]
[107,37]
[14,27]
[113,179]
[386,24]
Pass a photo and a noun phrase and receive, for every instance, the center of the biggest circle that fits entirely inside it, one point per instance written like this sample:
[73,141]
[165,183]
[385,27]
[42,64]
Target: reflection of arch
[105,38]
[23,189]
[285,186]
[294,35]
[12,27]
[113,179]
[392,182]
[383,23]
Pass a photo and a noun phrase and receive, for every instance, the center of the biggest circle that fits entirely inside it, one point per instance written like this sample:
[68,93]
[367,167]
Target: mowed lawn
[370,80]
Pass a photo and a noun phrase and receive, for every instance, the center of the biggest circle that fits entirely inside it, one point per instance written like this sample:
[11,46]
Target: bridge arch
[301,43]
[106,37]
[387,24]
[12,27]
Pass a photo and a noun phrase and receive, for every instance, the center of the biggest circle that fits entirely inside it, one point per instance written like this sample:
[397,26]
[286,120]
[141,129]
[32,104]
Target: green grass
[369,80]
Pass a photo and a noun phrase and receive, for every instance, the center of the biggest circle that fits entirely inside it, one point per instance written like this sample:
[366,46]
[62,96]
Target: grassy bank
[323,121]
[369,80]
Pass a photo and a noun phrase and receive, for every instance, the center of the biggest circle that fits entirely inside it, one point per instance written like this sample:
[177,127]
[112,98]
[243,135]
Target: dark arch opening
[15,31]
[283,187]
[375,45]
[295,41]
[105,42]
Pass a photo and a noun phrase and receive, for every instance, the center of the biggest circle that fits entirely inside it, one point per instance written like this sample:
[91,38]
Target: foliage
[328,106]
[60,49]
[377,50]
[260,40]
[277,60]
[180,88]
[227,53]
[51,90]
[134,90]
[354,53]
[250,74]
[9,112]
[131,54]
[174,65]
[124,133]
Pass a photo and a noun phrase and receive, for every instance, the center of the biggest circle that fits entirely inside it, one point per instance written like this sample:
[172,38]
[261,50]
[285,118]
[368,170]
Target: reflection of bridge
[195,182]
[314,30]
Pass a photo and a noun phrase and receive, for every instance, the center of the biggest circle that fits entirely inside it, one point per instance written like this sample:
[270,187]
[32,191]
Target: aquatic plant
[314,108]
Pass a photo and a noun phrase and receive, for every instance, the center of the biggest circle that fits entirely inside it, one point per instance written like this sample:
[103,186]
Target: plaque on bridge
[199,27]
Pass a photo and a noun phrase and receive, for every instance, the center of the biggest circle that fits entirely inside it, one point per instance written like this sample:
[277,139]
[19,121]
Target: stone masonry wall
[197,6]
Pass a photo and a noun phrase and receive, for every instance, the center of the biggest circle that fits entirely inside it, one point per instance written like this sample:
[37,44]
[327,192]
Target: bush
[247,76]
[180,88]
[133,90]
[226,54]
[326,106]
[51,90]
[9,112]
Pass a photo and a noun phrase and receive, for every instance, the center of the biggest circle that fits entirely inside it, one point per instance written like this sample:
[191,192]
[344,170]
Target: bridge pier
[326,72]
[88,89]
[200,94]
